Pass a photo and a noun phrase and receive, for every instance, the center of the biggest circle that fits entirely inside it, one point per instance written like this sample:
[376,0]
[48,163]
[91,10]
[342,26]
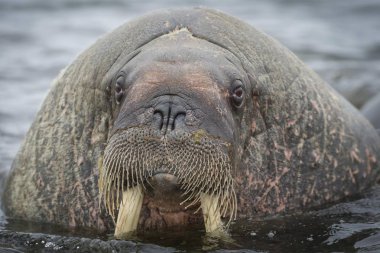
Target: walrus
[183,118]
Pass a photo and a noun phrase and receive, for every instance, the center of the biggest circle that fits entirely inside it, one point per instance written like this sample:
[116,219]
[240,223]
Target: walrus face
[174,139]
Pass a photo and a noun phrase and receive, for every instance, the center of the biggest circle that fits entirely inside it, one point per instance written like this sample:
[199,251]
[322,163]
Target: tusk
[211,213]
[129,212]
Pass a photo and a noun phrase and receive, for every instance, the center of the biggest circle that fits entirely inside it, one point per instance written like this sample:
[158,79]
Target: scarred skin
[294,143]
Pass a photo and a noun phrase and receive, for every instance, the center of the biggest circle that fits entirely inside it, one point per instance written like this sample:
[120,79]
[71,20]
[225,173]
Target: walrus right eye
[119,89]
[238,94]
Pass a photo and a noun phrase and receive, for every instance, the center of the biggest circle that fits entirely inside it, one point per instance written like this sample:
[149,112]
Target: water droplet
[271,234]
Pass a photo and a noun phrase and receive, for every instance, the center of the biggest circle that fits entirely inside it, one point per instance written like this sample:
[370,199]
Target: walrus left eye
[238,95]
[119,89]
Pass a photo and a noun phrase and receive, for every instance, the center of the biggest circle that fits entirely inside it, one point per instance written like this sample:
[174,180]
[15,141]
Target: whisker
[200,165]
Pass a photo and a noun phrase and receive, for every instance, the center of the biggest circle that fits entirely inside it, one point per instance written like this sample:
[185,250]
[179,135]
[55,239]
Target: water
[338,39]
[353,226]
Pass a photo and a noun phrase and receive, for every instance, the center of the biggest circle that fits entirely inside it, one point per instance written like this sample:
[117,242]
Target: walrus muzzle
[200,163]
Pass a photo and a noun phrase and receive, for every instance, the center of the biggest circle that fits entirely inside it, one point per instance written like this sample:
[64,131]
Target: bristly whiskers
[200,162]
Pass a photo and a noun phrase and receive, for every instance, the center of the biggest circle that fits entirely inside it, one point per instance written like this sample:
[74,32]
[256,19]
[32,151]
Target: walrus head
[174,137]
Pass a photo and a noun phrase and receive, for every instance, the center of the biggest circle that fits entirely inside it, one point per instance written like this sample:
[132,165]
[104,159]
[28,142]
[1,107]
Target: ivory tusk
[211,213]
[129,212]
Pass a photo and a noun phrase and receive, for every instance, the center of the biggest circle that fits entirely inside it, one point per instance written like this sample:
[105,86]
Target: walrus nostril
[176,117]
[179,120]
[168,116]
[158,119]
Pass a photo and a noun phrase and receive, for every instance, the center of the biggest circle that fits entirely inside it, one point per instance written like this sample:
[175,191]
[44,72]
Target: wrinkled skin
[293,144]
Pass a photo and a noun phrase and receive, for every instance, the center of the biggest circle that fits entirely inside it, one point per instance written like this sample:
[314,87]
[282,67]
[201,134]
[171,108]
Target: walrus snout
[168,116]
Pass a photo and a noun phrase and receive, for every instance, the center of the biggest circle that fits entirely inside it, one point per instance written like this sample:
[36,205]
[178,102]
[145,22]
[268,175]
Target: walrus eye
[119,89]
[238,95]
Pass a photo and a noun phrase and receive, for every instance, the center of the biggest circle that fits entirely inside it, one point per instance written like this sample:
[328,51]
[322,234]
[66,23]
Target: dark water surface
[353,226]
[338,39]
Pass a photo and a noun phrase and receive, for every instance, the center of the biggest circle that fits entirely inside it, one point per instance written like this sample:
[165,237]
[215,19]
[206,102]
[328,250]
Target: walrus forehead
[180,52]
